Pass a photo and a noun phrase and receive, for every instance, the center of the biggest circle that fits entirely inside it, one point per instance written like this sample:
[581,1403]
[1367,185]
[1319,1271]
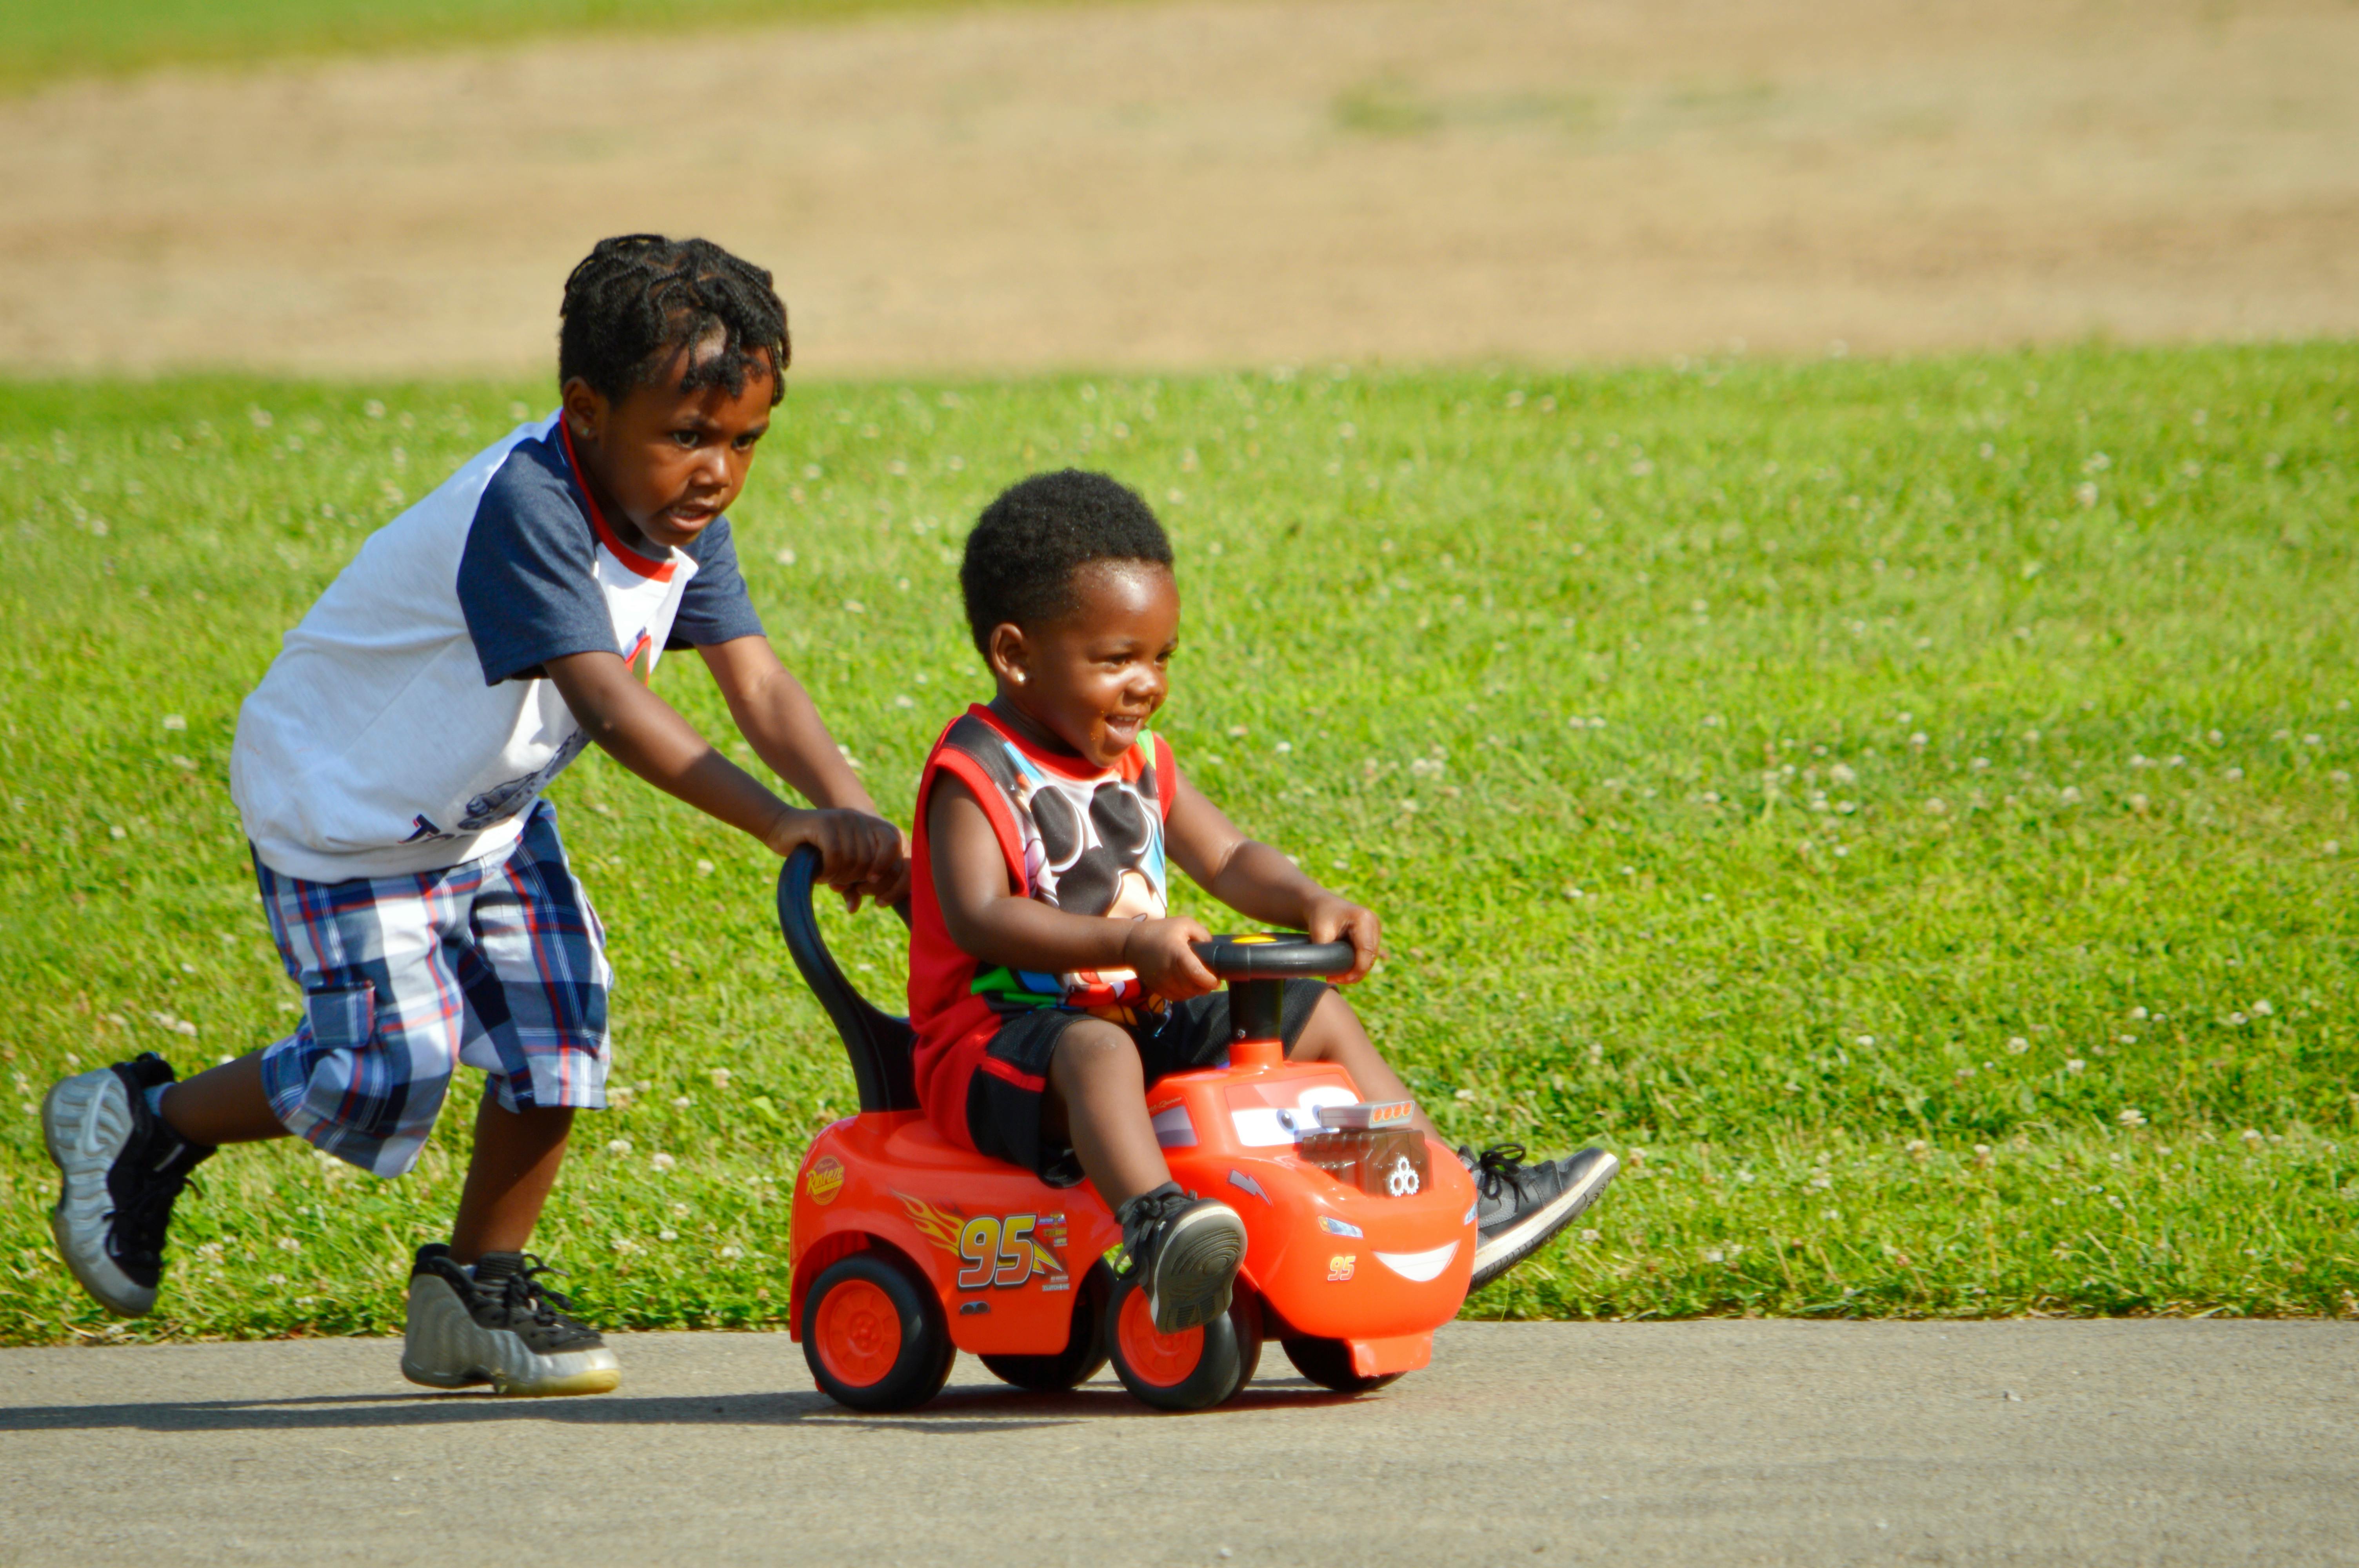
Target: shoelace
[523,1291]
[1500,1165]
[141,1223]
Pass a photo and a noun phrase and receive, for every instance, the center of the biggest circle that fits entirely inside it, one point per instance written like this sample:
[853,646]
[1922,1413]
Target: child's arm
[1260,884]
[780,720]
[999,925]
[859,851]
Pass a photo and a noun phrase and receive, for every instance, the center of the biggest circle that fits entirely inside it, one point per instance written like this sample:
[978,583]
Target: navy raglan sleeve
[528,575]
[715,606]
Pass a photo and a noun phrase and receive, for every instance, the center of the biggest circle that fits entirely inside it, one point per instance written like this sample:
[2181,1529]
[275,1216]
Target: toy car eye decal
[1174,1127]
[1268,1126]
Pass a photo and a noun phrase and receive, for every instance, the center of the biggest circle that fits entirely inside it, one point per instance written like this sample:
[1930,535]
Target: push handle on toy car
[1272,957]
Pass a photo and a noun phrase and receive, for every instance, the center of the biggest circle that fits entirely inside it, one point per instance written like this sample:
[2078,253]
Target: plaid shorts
[499,963]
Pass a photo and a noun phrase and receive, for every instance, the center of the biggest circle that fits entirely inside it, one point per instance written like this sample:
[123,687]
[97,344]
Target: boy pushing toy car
[388,774]
[1049,985]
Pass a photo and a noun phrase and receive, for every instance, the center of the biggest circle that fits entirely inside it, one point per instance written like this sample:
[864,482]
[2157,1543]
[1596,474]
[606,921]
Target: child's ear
[1010,654]
[585,408]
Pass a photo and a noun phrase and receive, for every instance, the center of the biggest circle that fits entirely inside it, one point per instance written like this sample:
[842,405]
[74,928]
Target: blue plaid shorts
[499,963]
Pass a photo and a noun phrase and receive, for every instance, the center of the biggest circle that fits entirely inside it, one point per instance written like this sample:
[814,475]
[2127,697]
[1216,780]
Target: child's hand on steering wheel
[1160,951]
[1332,919]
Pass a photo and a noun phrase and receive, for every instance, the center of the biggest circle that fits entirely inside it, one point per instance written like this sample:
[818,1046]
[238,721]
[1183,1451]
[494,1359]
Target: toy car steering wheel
[1273,956]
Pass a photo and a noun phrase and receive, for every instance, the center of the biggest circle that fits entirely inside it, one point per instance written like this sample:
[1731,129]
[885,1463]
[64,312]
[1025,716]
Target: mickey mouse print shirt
[1079,838]
[408,724]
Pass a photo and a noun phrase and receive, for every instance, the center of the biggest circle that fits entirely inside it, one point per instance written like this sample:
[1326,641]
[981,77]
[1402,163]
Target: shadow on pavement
[956,1413]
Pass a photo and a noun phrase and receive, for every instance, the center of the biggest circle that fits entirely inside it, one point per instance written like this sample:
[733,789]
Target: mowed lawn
[1903,808]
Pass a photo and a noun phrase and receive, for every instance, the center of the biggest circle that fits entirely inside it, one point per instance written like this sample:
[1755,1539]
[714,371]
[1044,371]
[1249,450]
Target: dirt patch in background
[1228,184]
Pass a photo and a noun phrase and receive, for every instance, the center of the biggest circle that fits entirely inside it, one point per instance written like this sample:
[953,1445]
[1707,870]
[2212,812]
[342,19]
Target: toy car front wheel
[1193,1369]
[1327,1363]
[1084,1351]
[873,1334]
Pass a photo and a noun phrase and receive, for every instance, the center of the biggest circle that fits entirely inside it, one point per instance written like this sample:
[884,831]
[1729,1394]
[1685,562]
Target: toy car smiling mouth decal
[1420,1266]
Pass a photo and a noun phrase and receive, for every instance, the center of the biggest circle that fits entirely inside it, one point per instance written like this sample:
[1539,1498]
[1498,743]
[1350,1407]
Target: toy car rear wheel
[873,1334]
[1327,1363]
[1084,1351]
[1193,1369]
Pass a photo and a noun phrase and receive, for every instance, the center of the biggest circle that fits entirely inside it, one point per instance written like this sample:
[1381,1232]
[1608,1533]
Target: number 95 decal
[1003,1253]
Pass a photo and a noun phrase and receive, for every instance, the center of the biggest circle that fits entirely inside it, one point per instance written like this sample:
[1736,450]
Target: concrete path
[1694,1444]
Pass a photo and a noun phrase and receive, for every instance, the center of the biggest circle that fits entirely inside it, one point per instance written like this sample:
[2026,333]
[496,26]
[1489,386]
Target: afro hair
[1020,561]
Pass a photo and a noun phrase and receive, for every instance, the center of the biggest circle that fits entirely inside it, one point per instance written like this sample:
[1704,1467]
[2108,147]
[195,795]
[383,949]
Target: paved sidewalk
[1694,1444]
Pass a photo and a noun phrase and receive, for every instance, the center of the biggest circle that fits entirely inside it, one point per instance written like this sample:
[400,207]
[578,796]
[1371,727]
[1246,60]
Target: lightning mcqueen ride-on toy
[1359,1231]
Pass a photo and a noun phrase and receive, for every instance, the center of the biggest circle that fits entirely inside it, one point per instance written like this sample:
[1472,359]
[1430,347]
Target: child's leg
[1097,1100]
[1333,1034]
[224,1105]
[515,1161]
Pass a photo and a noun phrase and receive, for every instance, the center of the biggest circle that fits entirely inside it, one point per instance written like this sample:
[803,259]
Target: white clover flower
[720,1078]
[619,1146]
[1713,1255]
[682,1102]
[2132,1117]
[705,868]
[2237,1020]
[2252,1137]
[2138,803]
[2017,1046]
[2076,1065]
[1983,1157]
[732,1253]
[2126,1039]
[1919,1149]
[2263,1009]
[289,1244]
[175,721]
[1591,1236]
[2138,1014]
[1865,1039]
[1842,774]
[667,1236]
[2069,794]
[662,1161]
[1937,806]
[625,1244]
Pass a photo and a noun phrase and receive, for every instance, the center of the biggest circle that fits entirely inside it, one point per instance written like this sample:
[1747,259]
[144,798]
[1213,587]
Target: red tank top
[1083,838]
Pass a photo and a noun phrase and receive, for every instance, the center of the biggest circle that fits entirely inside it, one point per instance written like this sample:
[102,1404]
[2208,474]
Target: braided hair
[1027,545]
[637,300]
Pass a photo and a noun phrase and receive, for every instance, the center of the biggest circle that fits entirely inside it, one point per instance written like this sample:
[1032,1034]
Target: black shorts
[1004,1117]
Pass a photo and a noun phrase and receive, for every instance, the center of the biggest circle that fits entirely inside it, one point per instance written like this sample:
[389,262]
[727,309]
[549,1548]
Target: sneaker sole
[444,1347]
[1512,1246]
[1195,1270]
[72,1114]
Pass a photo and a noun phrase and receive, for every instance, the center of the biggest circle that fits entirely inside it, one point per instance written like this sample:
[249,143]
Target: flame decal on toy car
[940,1227]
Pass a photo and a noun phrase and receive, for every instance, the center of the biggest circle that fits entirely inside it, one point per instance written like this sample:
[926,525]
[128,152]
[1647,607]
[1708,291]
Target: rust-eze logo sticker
[824,1179]
[1342,1264]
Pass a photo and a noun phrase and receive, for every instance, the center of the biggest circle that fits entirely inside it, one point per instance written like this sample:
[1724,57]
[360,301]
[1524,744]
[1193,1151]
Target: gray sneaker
[498,1325]
[123,1170]
[1186,1251]
[1518,1206]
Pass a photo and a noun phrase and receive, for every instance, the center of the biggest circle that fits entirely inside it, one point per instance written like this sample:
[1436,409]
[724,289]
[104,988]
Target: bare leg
[1333,1034]
[1097,1098]
[517,1157]
[222,1105]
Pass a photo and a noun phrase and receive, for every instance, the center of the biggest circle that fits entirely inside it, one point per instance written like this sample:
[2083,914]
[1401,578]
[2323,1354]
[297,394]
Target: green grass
[1905,800]
[44,43]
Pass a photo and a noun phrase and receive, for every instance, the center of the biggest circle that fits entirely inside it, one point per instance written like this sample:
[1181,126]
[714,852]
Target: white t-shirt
[405,725]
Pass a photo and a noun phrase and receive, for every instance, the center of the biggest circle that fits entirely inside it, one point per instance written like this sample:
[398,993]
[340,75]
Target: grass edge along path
[1898,806]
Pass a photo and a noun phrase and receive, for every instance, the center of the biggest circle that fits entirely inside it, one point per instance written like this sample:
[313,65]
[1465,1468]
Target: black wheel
[1193,1369]
[1085,1347]
[874,1333]
[1327,1363]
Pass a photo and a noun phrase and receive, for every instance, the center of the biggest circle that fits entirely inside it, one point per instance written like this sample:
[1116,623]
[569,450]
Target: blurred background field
[1901,806]
[1799,554]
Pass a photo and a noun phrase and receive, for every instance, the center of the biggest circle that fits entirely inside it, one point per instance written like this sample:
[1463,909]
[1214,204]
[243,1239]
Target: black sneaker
[1517,1206]
[123,1169]
[1186,1250]
[501,1325]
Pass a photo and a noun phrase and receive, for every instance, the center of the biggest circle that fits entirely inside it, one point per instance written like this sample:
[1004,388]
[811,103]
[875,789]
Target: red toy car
[906,1248]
